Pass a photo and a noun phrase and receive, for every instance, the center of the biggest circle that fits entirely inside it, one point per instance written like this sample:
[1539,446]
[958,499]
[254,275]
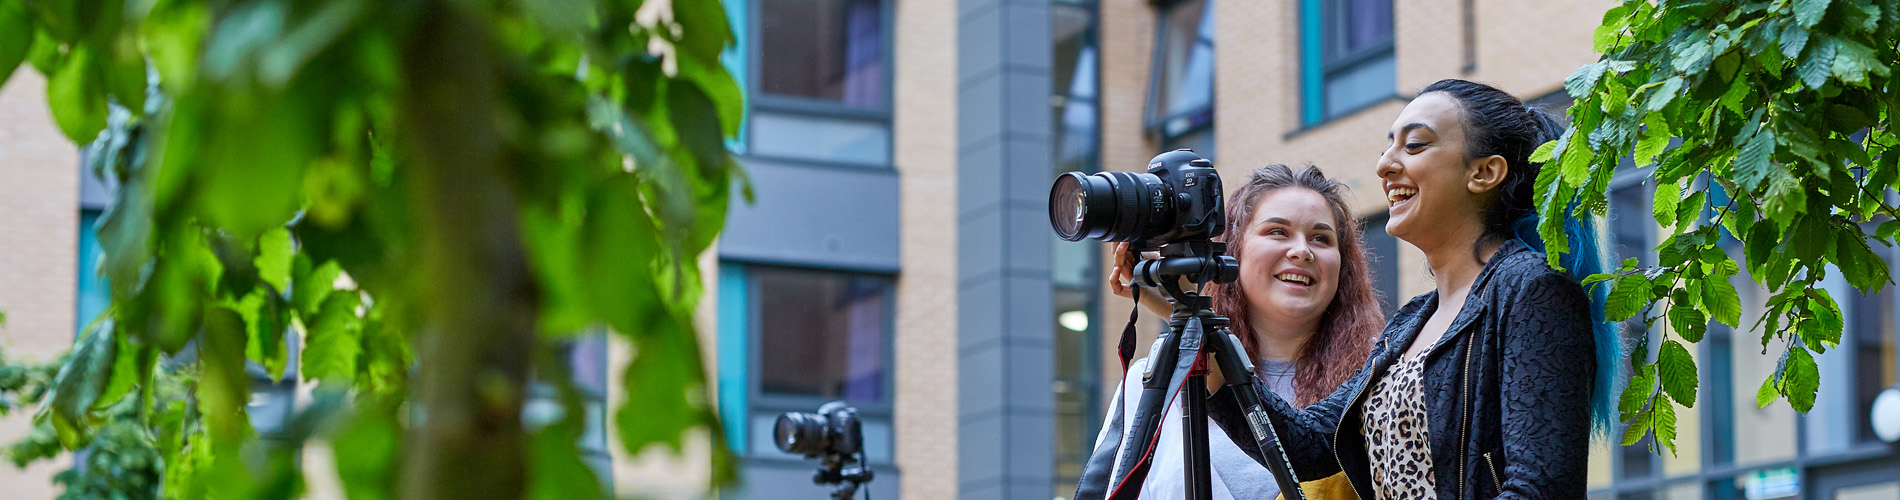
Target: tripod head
[1197,261]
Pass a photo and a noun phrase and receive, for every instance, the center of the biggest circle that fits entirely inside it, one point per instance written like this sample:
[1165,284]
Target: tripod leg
[1240,381]
[1200,479]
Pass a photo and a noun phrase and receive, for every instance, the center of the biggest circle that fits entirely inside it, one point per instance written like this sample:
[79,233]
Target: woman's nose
[1386,167]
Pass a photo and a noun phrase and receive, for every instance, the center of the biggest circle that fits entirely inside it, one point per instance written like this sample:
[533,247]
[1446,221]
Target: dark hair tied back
[1497,123]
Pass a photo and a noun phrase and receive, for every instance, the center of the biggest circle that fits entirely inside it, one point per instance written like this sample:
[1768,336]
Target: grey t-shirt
[1244,477]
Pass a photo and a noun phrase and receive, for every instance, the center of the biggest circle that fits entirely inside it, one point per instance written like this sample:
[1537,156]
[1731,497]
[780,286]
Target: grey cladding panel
[816,216]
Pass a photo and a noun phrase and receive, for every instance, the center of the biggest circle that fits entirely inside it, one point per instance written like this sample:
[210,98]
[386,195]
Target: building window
[820,82]
[1181,103]
[1075,273]
[825,50]
[93,294]
[822,334]
[1382,255]
[1630,231]
[1346,58]
[806,337]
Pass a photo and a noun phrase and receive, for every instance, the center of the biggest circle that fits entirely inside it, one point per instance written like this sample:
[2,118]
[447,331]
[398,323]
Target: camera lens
[1110,206]
[801,433]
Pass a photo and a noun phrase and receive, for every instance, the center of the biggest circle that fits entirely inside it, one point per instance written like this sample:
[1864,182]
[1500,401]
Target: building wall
[39,219]
[926,335]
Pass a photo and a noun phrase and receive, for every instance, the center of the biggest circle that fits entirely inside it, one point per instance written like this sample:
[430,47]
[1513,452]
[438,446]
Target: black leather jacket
[1507,396]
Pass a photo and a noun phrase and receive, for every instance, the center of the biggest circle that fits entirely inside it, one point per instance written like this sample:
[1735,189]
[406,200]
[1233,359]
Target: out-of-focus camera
[834,437]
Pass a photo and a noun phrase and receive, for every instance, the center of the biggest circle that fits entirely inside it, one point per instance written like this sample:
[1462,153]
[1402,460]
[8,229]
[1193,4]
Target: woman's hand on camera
[1124,272]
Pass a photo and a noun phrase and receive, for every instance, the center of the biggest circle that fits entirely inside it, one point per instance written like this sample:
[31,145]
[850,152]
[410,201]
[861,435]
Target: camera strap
[1126,347]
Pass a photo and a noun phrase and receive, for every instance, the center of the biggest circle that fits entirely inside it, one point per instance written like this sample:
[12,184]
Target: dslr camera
[834,437]
[1177,200]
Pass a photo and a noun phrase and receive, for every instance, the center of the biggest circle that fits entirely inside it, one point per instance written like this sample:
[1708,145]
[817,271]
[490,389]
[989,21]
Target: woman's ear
[1487,173]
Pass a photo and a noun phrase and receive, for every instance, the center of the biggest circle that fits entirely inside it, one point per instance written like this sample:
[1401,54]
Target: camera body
[1179,199]
[835,437]
[833,430]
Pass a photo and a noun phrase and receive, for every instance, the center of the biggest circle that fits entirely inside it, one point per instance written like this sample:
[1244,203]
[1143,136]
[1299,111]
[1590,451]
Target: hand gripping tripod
[1181,351]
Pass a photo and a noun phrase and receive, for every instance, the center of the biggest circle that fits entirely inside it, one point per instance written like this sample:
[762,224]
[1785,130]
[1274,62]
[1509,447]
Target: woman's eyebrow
[1274,220]
[1322,226]
[1408,129]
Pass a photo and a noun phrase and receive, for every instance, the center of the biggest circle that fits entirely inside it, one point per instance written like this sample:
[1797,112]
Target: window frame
[1161,127]
[758,101]
[759,402]
[1322,25]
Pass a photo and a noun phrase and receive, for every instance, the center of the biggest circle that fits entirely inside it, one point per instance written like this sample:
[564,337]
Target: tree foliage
[429,196]
[1768,129]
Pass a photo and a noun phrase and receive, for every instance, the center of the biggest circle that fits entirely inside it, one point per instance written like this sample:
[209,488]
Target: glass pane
[823,49]
[1186,67]
[1362,24]
[93,294]
[1832,424]
[1366,83]
[1878,491]
[1871,326]
[822,333]
[1760,434]
[821,139]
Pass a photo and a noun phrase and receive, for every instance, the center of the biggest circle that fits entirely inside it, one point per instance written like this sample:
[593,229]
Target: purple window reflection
[831,50]
[821,333]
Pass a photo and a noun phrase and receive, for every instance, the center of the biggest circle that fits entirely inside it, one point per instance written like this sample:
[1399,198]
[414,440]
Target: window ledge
[1304,129]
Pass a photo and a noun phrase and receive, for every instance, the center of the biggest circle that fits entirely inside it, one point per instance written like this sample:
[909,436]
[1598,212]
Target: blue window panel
[93,293]
[734,360]
[1312,68]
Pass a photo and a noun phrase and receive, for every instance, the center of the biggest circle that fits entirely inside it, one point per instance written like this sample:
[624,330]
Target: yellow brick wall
[925,96]
[39,219]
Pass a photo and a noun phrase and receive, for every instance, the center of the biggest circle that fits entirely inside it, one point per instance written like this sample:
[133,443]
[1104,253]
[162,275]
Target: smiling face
[1428,182]
[1289,260]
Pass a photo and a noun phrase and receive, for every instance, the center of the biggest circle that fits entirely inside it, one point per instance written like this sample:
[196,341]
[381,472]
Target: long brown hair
[1353,319]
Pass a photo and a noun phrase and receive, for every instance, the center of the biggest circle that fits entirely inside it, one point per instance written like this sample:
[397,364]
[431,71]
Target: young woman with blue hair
[1490,385]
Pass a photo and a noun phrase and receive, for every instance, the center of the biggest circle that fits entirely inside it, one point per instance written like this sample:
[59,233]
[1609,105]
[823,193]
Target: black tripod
[1180,352]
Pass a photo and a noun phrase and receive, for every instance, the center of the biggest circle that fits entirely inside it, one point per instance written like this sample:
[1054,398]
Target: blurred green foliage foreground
[430,196]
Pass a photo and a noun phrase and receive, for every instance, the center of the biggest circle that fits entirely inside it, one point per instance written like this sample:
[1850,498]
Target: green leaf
[16,38]
[76,92]
[1584,79]
[1800,379]
[1863,268]
[1809,12]
[80,381]
[1638,427]
[1768,393]
[1688,322]
[333,342]
[368,451]
[1663,421]
[1543,152]
[1677,372]
[274,254]
[620,251]
[1752,164]
[1887,229]
[1818,64]
[1655,140]
[663,382]
[1664,94]
[1693,58]
[1852,62]
[1668,194]
[1636,394]
[1629,297]
[1721,300]
[1690,210]
[1793,38]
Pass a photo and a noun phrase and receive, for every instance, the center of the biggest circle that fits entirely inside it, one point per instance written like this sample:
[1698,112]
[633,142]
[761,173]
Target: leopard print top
[1395,433]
